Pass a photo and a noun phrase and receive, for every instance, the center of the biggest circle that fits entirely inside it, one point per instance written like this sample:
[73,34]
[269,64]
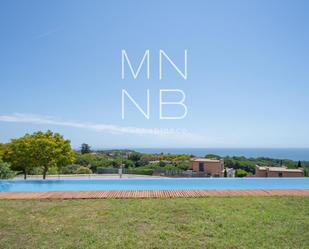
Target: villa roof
[279,169]
[205,160]
[284,169]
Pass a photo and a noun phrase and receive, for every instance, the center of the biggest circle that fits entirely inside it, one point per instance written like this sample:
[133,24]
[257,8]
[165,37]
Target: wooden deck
[148,194]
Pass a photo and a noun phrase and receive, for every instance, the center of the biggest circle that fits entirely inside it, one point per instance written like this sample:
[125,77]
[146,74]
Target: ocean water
[153,184]
[292,154]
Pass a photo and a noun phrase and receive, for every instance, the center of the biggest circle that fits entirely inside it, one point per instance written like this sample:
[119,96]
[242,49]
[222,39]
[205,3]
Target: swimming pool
[152,184]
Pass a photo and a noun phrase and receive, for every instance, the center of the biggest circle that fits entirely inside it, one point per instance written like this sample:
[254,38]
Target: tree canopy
[39,150]
[85,148]
[18,154]
[5,171]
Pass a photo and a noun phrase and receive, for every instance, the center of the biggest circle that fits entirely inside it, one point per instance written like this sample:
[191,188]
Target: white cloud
[47,33]
[107,128]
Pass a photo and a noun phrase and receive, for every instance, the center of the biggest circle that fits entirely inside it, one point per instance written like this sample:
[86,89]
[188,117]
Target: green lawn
[214,222]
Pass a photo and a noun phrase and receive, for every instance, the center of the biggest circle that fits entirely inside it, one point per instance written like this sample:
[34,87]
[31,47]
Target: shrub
[52,171]
[135,156]
[104,170]
[140,171]
[170,167]
[306,172]
[241,173]
[83,170]
[69,169]
[5,171]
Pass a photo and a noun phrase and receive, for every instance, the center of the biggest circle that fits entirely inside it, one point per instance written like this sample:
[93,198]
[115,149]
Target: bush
[69,169]
[241,173]
[170,167]
[140,171]
[135,156]
[52,171]
[83,170]
[94,160]
[306,172]
[104,170]
[5,171]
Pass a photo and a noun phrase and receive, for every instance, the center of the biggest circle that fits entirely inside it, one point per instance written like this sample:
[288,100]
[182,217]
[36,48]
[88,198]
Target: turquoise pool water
[153,184]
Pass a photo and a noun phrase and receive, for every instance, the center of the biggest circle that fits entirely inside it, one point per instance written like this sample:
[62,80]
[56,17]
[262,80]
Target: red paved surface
[149,194]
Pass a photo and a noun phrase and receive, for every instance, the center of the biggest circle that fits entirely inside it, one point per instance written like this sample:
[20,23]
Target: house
[207,167]
[265,171]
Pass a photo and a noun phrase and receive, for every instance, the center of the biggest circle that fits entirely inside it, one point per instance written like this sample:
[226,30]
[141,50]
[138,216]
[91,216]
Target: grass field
[214,222]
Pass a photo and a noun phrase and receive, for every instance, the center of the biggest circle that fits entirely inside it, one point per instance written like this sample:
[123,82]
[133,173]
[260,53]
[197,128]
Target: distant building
[207,167]
[265,171]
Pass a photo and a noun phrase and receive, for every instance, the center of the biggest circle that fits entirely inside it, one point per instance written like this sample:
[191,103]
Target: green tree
[3,148]
[50,149]
[18,154]
[241,173]
[212,156]
[299,164]
[135,156]
[225,173]
[5,171]
[306,172]
[39,150]
[85,148]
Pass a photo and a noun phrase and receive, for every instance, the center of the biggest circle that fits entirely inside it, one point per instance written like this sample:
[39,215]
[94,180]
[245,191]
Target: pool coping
[125,194]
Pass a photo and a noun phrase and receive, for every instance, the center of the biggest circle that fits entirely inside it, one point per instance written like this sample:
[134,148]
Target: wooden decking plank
[150,194]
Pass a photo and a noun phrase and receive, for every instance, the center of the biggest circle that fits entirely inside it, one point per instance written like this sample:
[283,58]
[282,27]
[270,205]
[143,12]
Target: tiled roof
[205,160]
[278,169]
[284,169]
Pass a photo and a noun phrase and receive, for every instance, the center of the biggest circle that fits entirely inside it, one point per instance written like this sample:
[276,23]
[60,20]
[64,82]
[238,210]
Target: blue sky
[248,77]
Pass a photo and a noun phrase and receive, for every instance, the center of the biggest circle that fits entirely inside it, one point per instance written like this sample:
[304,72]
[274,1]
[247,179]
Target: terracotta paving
[149,194]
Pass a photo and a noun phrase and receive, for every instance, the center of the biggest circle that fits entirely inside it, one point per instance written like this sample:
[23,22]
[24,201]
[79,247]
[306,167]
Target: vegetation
[240,173]
[214,222]
[5,171]
[43,150]
[141,171]
[69,169]
[225,173]
[83,170]
[85,148]
[135,156]
[2,149]
[48,153]
[306,172]
[18,154]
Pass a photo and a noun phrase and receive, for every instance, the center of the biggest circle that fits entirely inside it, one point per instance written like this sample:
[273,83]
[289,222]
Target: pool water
[153,184]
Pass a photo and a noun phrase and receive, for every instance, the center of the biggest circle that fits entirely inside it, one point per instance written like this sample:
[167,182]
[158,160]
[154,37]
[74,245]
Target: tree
[50,150]
[135,156]
[5,171]
[241,173]
[18,154]
[299,164]
[225,173]
[39,150]
[212,156]
[2,149]
[85,148]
